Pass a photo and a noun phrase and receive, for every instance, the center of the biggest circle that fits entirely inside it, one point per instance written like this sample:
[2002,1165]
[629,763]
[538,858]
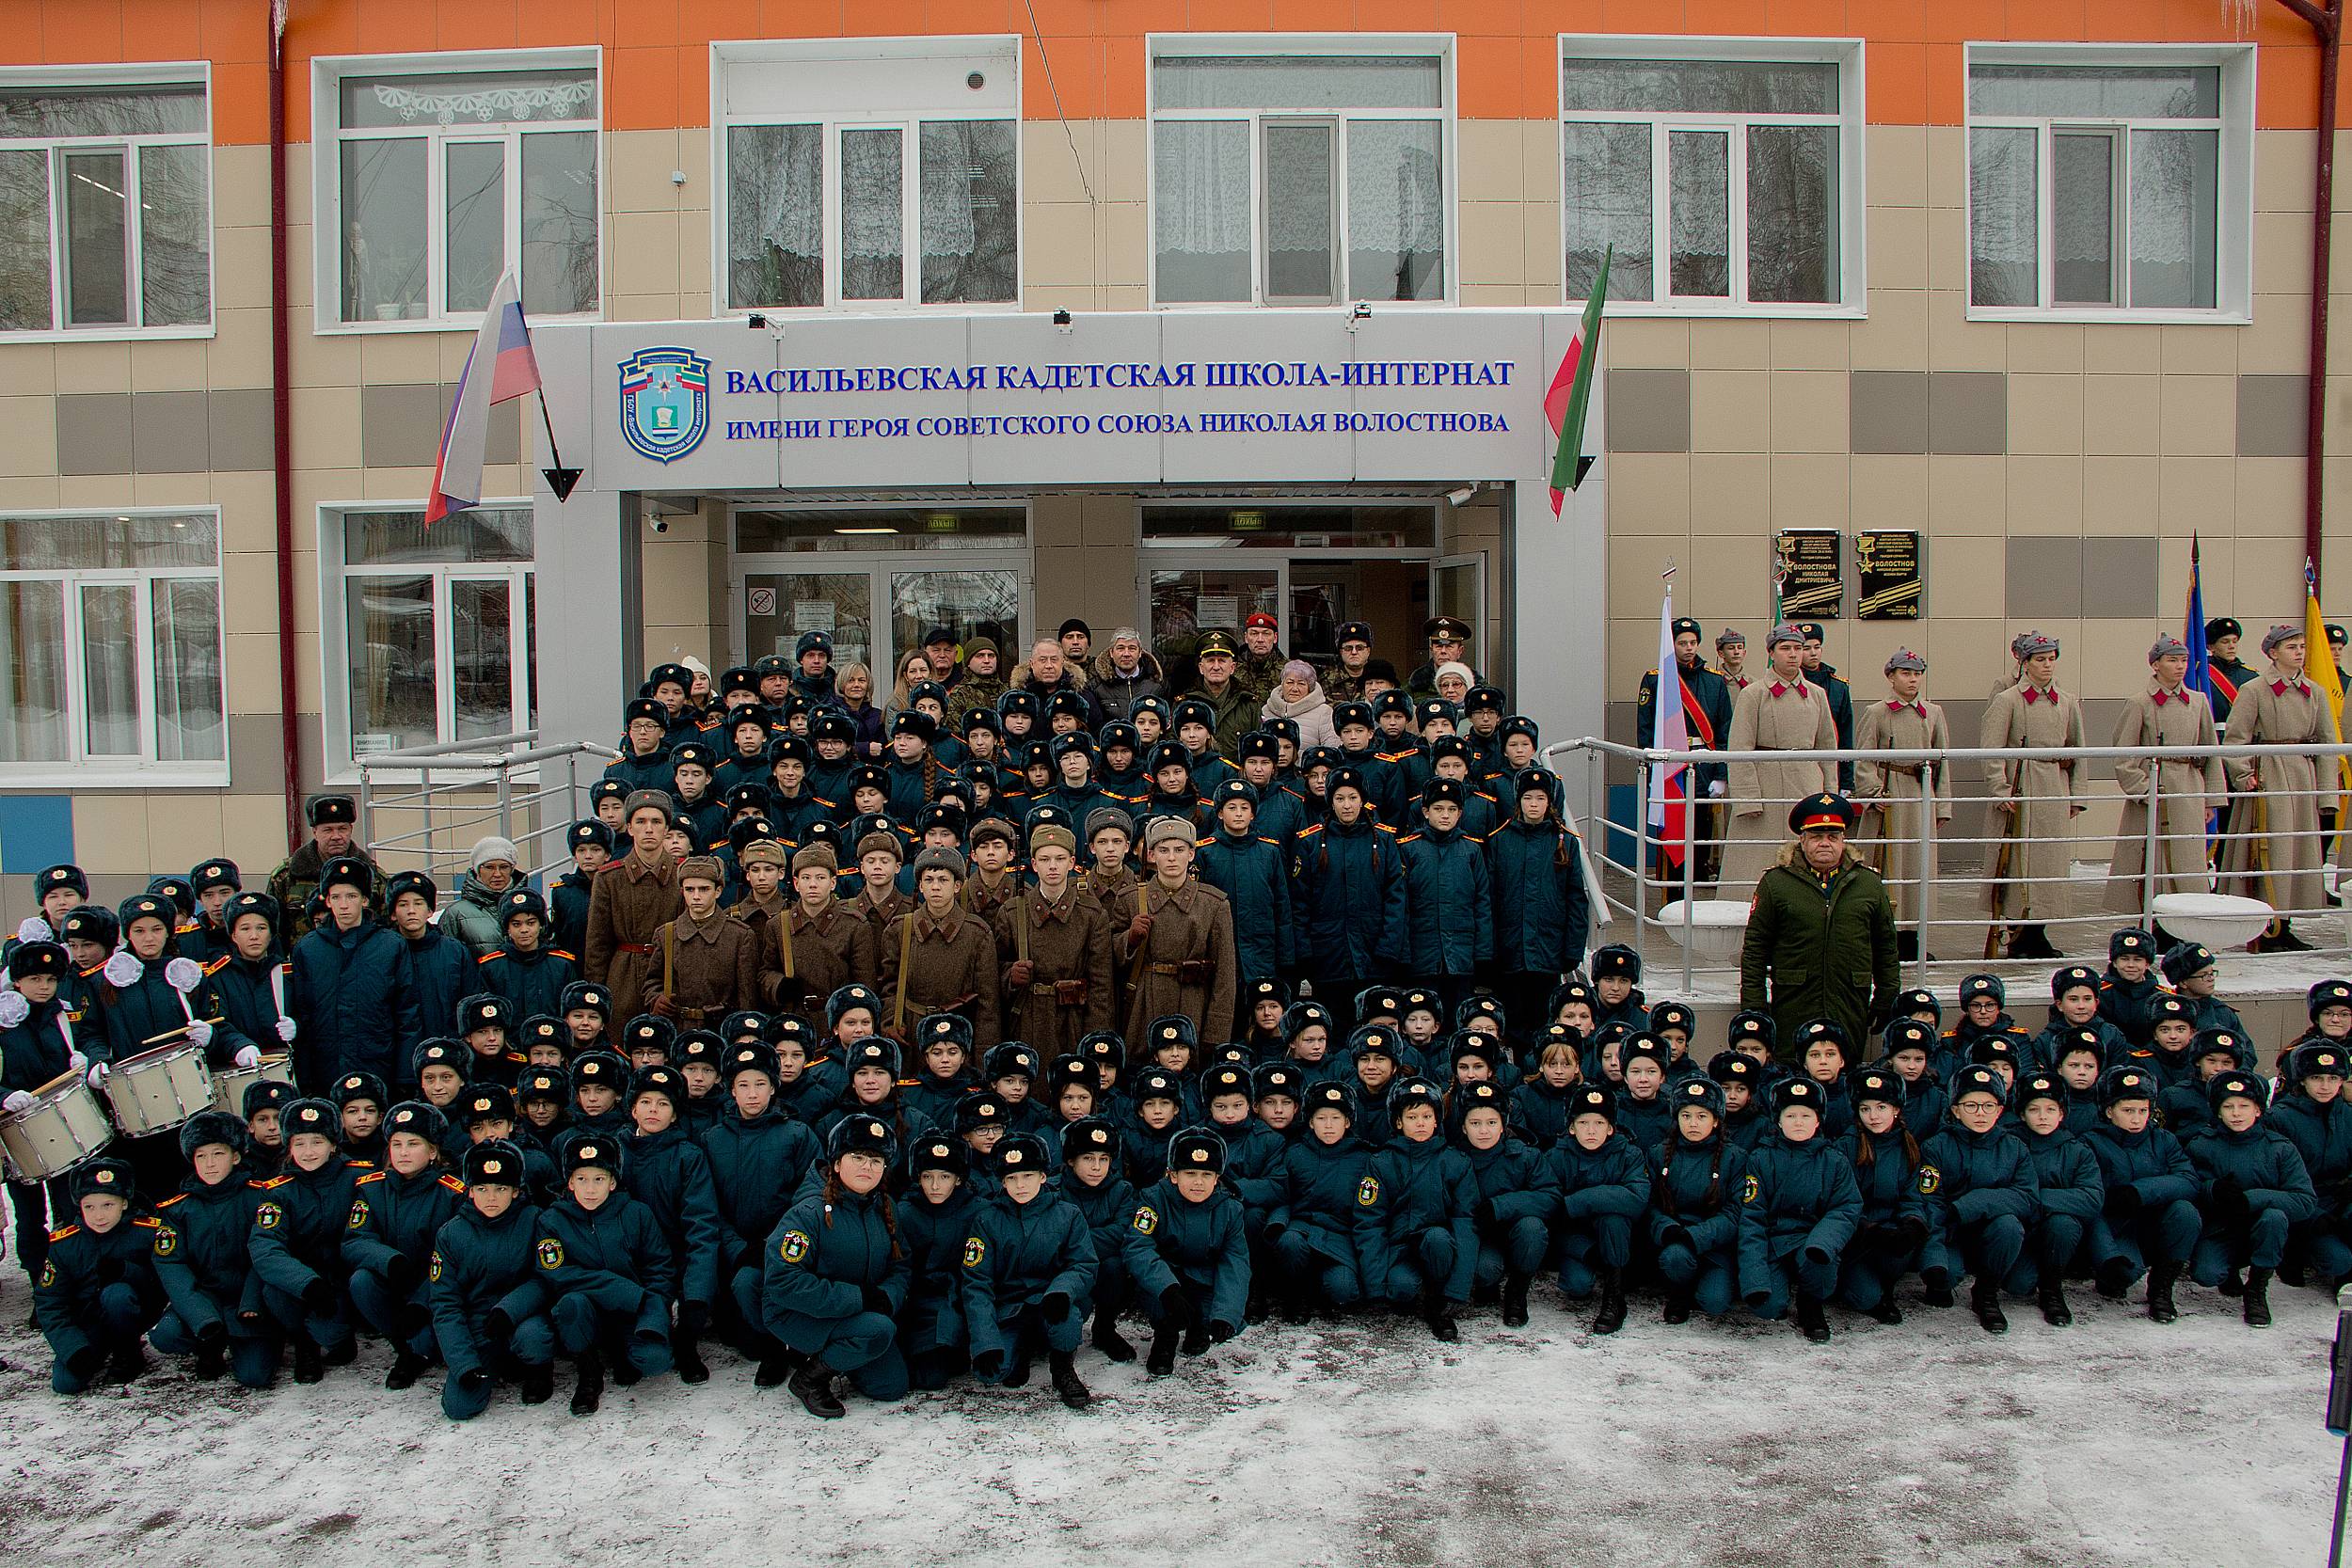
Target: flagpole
[560,479]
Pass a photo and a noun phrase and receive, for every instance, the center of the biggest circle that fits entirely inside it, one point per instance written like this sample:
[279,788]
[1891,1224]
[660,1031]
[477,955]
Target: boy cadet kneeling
[835,1275]
[203,1259]
[489,1302]
[1187,1253]
[387,1245]
[97,1295]
[296,1241]
[1029,1275]
[603,1256]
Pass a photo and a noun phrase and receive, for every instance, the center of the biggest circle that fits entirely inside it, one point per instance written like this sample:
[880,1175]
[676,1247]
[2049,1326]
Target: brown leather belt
[643,948]
[1192,972]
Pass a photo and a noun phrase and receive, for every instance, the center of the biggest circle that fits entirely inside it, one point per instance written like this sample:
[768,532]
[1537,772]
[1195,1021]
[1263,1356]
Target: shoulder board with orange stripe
[558,953]
[218,964]
[94,970]
[274,1181]
[1384,827]
[1407,838]
[372,1176]
[454,1185]
[1262,839]
[488,957]
[1311,831]
[149,1222]
[167,1202]
[360,1165]
[62,1234]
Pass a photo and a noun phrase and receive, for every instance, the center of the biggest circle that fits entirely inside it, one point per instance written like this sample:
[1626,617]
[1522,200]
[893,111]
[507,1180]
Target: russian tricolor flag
[500,366]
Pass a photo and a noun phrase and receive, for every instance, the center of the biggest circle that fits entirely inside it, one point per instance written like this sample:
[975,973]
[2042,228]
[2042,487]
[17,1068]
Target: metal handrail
[484,789]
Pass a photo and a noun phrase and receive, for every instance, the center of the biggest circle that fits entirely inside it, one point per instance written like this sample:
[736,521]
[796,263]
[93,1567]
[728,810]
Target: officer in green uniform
[1821,937]
[334,822]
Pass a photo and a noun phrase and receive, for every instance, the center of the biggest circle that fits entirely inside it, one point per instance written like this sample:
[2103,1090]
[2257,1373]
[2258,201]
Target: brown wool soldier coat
[1068,945]
[1187,963]
[2025,876]
[1773,716]
[1889,793]
[711,968]
[828,951]
[936,966]
[628,902]
[2277,859]
[2187,789]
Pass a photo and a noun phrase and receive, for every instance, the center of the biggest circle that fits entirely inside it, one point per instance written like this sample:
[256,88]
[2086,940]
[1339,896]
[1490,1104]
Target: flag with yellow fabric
[2319,667]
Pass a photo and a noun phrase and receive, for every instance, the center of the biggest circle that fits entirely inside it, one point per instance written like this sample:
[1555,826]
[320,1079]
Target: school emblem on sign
[665,402]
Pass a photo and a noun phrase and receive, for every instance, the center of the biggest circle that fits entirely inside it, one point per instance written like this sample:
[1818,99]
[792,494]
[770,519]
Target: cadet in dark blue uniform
[1541,914]
[1449,896]
[1600,1186]
[668,1173]
[836,1275]
[2312,1114]
[1318,1238]
[1090,1178]
[1694,1220]
[299,1218]
[591,844]
[1514,1198]
[2256,1191]
[526,969]
[2065,1175]
[484,1290]
[1421,1249]
[1029,1275]
[1979,1180]
[98,1295]
[758,1154]
[2129,986]
[395,1214]
[2148,1223]
[1187,1254]
[1893,1228]
[200,1257]
[37,1047]
[346,980]
[934,1222]
[607,1269]
[1799,1205]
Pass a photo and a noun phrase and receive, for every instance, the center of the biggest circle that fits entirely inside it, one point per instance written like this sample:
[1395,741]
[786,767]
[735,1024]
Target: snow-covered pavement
[2112,1442]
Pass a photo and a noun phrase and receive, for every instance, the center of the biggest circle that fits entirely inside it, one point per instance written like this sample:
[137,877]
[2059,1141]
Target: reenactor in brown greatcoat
[632,898]
[1055,944]
[1177,941]
[938,957]
[823,945]
[703,965]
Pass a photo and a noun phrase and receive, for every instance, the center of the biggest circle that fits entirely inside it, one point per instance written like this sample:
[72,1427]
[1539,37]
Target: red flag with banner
[1571,390]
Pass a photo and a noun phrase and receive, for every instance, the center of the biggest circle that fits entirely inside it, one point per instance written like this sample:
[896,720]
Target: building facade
[1153,314]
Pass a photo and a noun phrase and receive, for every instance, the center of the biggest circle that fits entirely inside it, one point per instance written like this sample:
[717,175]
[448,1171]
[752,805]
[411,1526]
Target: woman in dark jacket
[1541,916]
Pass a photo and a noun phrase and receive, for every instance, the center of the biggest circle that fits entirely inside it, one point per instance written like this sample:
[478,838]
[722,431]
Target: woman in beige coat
[2275,848]
[2171,716]
[1781,712]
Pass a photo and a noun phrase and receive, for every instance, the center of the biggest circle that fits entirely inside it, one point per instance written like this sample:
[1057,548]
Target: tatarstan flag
[1572,390]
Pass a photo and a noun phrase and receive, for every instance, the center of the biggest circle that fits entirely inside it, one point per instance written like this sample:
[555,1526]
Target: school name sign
[1019,400]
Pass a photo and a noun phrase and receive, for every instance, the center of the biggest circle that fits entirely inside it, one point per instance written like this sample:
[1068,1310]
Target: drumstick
[277,988]
[68,1076]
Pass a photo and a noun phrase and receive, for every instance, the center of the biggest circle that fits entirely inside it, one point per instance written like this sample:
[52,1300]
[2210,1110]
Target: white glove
[286,1031]
[249,1055]
[122,971]
[76,1061]
[184,975]
[96,1076]
[18,1102]
[33,929]
[1715,789]
[201,1032]
[14,1009]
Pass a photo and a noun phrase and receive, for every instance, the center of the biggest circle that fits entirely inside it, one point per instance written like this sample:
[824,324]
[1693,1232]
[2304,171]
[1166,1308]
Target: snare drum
[159,1090]
[229,1083]
[65,1128]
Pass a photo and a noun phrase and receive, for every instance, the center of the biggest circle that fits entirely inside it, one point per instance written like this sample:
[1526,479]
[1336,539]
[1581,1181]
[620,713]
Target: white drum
[65,1128]
[229,1083]
[159,1090]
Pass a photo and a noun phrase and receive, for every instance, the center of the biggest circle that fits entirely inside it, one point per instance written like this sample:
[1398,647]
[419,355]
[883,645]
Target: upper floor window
[873,178]
[110,638]
[2101,183]
[1724,174]
[1286,174]
[433,181]
[105,203]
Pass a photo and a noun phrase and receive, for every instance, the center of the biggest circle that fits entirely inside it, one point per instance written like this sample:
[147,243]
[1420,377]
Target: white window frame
[1439,46]
[2233,192]
[1850,58]
[80,769]
[830,123]
[195,72]
[328,138]
[335,572]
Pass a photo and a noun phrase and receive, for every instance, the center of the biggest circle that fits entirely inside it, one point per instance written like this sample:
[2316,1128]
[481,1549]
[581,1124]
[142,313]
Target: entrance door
[1457,587]
[1189,600]
[777,606]
[980,596]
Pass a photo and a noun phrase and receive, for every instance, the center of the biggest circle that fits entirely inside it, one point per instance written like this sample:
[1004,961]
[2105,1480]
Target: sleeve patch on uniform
[1930,1178]
[1749,1189]
[1367,1191]
[269,1216]
[974,1249]
[795,1246]
[1147,1220]
[359,1213]
[48,1275]
[433,1270]
[166,1240]
[550,1253]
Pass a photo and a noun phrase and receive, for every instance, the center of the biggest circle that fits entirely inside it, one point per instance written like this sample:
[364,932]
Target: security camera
[1461,494]
[1362,312]
[1061,317]
[662,525]
[757,322]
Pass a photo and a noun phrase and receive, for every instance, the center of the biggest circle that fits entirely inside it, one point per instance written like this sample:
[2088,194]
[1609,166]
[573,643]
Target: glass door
[1189,600]
[1457,587]
[969,602]
[878,608]
[777,606]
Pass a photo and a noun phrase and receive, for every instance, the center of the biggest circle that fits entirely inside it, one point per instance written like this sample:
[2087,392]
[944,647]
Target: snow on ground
[2112,1442]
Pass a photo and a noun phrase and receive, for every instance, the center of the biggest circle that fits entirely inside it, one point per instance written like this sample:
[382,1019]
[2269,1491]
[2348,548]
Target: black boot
[1075,1394]
[307,1365]
[2160,1308]
[1811,1322]
[1935,1288]
[1296,1307]
[2257,1304]
[538,1384]
[1515,1300]
[1886,1311]
[2284,940]
[2229,1285]
[624,1372]
[2053,1308]
[1017,1372]
[210,1362]
[128,1363]
[1985,1298]
[589,1391]
[2114,1279]
[1196,1340]
[1107,1339]
[1906,946]
[776,1363]
[1162,1359]
[406,1368]
[1438,1315]
[686,1351]
[1610,1317]
[813,1387]
[343,1354]
[1679,1299]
